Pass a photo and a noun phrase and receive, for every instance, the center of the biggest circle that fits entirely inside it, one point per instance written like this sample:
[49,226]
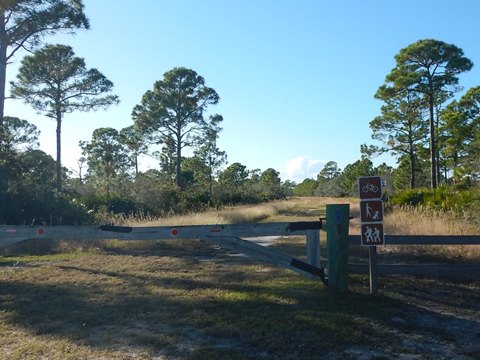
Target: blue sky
[296,79]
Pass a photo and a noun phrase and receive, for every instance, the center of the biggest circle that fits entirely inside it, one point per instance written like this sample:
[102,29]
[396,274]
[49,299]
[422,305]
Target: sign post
[371,210]
[371,218]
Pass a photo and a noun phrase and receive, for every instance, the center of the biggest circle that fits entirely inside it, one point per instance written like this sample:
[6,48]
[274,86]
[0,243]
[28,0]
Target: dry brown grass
[229,215]
[293,209]
[399,221]
[420,221]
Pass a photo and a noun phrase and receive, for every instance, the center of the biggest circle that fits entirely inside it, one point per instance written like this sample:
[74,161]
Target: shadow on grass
[224,311]
[449,292]
[294,249]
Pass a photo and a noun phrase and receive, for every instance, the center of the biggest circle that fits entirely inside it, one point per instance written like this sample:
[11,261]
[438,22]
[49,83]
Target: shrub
[448,198]
[113,202]
[444,198]
[71,211]
[410,197]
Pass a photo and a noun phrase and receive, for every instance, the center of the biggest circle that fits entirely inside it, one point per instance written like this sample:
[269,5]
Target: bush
[410,197]
[196,201]
[450,199]
[71,211]
[112,202]
[154,197]
[444,198]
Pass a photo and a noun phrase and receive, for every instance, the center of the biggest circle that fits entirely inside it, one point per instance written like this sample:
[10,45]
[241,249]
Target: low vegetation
[189,300]
[455,201]
[293,209]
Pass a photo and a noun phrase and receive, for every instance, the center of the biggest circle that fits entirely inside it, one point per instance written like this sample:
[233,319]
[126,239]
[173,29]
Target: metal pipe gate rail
[229,236]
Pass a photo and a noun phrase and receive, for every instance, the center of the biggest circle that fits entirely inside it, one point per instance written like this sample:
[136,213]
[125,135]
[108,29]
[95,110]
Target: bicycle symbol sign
[370,187]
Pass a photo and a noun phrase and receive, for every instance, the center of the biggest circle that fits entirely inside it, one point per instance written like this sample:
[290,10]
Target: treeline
[334,182]
[112,184]
[170,118]
[435,138]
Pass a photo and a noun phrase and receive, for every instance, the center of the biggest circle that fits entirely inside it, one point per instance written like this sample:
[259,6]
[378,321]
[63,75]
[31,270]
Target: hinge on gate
[321,222]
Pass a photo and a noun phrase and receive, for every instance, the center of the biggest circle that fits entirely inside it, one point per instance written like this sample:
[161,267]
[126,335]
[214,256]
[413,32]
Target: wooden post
[337,246]
[372,269]
[313,249]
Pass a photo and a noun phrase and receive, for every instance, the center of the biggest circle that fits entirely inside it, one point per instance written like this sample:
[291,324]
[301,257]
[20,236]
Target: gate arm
[305,225]
[264,254]
[118,229]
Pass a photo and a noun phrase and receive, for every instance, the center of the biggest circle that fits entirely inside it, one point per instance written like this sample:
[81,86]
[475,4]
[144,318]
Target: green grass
[19,260]
[183,299]
[173,302]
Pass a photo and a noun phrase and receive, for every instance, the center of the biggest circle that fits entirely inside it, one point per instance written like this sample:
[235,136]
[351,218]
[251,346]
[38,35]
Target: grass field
[190,300]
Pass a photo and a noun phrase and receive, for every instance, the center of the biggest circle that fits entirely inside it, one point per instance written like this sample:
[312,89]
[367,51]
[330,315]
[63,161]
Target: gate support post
[313,249]
[337,246]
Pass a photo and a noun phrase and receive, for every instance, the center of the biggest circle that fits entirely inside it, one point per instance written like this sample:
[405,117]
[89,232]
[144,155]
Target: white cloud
[302,167]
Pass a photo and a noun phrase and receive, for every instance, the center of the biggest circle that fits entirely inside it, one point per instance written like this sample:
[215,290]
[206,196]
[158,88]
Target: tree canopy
[431,68]
[401,128]
[23,24]
[54,81]
[106,156]
[462,132]
[17,134]
[135,142]
[173,113]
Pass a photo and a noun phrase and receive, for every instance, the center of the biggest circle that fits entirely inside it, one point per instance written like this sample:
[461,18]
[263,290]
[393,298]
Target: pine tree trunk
[433,150]
[411,155]
[178,165]
[59,150]
[412,170]
[3,65]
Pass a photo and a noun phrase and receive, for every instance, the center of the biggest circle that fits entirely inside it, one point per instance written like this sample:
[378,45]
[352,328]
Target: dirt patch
[439,319]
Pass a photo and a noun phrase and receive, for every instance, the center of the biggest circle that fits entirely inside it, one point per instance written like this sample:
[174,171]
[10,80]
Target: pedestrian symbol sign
[372,234]
[371,210]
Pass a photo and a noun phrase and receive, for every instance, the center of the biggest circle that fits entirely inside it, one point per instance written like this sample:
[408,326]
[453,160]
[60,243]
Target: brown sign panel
[371,211]
[372,234]
[370,187]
